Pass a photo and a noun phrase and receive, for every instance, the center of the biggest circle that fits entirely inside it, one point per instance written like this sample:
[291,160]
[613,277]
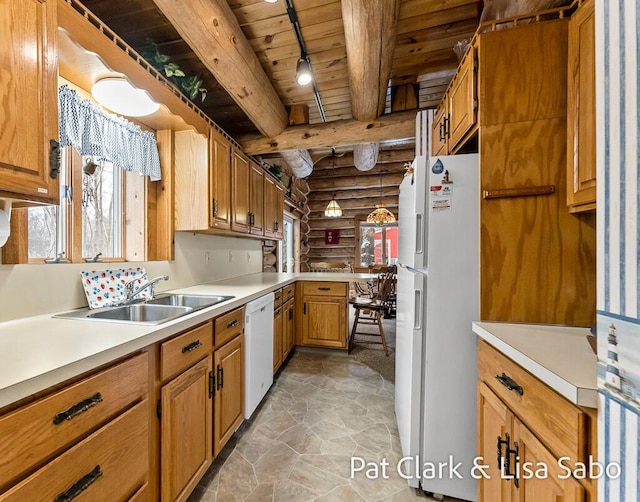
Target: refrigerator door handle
[417,308]
[419,233]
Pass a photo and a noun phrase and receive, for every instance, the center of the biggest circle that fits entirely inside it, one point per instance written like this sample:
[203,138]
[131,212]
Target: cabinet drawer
[185,350]
[324,288]
[288,292]
[110,465]
[229,326]
[277,298]
[557,422]
[33,434]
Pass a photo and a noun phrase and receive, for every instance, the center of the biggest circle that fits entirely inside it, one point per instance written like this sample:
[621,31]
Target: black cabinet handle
[510,383]
[233,323]
[304,308]
[54,158]
[276,311]
[220,372]
[212,383]
[516,452]
[192,346]
[290,314]
[324,289]
[77,408]
[214,208]
[81,485]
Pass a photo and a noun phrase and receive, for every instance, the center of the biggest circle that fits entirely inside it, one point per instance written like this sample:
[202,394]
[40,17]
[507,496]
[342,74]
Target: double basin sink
[155,311]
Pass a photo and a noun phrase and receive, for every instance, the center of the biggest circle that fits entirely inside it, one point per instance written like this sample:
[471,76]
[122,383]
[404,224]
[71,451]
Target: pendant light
[303,70]
[380,215]
[333,209]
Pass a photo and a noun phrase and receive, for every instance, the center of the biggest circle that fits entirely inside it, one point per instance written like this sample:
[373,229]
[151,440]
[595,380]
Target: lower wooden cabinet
[529,444]
[228,410]
[322,320]
[277,338]
[289,326]
[186,430]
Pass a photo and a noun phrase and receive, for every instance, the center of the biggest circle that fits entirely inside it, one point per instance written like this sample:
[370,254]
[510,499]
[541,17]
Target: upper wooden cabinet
[273,208]
[239,192]
[581,117]
[455,118]
[256,199]
[191,165]
[219,181]
[29,99]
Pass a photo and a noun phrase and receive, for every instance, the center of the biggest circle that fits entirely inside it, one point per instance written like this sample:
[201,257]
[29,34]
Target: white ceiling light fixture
[333,209]
[303,71]
[118,95]
[271,1]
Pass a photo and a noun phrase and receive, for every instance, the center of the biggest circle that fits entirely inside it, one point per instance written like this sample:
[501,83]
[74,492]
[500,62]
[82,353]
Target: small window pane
[100,214]
[43,228]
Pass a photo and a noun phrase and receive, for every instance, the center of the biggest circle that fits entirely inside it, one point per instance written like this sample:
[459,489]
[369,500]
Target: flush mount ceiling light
[333,209]
[303,71]
[119,96]
[271,1]
[380,215]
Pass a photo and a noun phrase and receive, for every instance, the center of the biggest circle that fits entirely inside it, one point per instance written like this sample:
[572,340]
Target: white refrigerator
[437,300]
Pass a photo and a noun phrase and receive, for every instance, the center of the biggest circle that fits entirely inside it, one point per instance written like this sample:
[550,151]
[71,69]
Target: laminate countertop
[559,356]
[41,351]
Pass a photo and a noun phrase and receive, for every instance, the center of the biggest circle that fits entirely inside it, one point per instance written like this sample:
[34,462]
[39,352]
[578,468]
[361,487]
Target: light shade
[303,72]
[271,1]
[381,216]
[119,96]
[333,209]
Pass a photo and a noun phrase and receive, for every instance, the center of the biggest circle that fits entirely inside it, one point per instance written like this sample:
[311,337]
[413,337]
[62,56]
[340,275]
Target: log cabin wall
[357,192]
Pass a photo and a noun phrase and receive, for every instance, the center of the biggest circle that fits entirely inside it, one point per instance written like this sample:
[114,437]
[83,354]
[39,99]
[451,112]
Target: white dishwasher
[258,351]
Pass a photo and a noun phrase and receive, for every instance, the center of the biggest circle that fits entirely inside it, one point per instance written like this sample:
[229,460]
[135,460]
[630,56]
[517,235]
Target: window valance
[88,129]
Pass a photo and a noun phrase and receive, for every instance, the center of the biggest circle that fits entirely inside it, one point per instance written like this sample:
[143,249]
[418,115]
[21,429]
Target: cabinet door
[279,211]
[191,172]
[240,192]
[494,421]
[324,321]
[277,338]
[269,207]
[439,130]
[229,396]
[462,101]
[581,116]
[219,181]
[256,208]
[547,486]
[288,323]
[186,431]
[29,98]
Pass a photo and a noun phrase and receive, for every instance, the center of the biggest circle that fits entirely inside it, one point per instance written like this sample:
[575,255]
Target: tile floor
[322,410]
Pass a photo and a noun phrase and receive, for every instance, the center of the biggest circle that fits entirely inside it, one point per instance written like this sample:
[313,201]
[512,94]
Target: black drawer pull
[324,289]
[81,485]
[77,408]
[233,323]
[192,346]
[510,383]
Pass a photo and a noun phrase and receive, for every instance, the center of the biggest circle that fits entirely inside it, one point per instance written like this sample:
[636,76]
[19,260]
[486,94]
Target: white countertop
[560,356]
[41,351]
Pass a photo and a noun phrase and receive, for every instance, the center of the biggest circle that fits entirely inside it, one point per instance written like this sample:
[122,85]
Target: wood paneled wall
[357,192]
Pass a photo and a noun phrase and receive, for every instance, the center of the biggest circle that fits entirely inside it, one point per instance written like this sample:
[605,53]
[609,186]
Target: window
[376,245]
[88,222]
[287,254]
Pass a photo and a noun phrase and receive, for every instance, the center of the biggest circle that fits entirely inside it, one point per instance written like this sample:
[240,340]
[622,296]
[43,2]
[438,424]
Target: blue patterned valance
[91,131]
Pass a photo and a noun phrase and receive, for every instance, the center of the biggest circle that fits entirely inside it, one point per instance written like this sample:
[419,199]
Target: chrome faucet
[130,292]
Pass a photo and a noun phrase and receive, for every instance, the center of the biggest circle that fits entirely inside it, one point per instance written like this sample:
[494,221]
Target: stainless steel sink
[141,313]
[192,301]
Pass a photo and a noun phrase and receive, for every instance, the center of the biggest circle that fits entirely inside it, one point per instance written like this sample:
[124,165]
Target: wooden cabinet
[322,314]
[239,192]
[229,391]
[54,442]
[531,427]
[186,430]
[256,199]
[191,165]
[581,116]
[219,181]
[455,119]
[29,94]
[273,208]
[288,323]
[277,337]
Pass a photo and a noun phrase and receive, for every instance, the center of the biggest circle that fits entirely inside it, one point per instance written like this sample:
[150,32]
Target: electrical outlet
[248,256]
[207,257]
[230,256]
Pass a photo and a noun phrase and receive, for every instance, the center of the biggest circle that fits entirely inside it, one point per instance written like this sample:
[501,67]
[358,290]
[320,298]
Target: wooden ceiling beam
[211,29]
[370,32]
[384,157]
[336,133]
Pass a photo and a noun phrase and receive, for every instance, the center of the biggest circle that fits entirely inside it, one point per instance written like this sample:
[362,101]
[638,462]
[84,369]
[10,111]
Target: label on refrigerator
[438,205]
[441,190]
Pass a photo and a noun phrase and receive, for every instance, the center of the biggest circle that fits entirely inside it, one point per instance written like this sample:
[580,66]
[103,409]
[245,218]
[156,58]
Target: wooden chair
[330,266]
[375,306]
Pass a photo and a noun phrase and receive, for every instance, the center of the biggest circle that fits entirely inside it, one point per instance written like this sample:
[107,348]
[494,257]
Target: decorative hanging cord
[108,137]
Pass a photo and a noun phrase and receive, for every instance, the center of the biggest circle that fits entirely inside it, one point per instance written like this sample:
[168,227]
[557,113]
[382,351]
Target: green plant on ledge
[191,86]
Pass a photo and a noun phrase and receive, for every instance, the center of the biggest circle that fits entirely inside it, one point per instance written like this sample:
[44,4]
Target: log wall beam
[333,134]
[212,31]
[347,160]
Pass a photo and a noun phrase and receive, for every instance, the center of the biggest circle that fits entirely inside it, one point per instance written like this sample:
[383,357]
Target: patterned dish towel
[105,288]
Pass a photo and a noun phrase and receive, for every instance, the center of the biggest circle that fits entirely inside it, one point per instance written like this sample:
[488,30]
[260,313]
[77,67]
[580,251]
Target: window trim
[360,221]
